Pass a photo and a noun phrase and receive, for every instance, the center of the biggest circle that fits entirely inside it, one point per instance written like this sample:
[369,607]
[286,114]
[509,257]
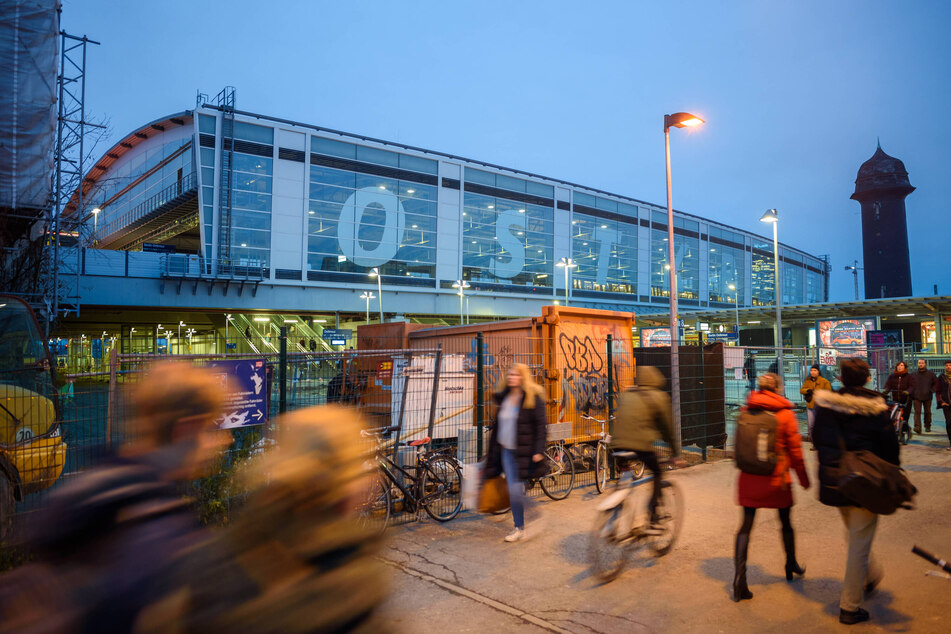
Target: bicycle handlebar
[378,431]
[941,563]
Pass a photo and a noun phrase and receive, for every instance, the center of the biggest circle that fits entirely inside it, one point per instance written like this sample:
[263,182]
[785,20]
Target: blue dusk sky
[795,94]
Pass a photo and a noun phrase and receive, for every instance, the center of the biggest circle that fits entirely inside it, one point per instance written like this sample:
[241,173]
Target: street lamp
[736,304]
[95,225]
[368,297]
[772,216]
[462,285]
[855,268]
[179,338]
[227,323]
[676,120]
[375,272]
[567,264]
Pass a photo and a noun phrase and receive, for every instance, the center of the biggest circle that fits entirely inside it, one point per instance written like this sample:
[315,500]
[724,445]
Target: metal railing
[188,183]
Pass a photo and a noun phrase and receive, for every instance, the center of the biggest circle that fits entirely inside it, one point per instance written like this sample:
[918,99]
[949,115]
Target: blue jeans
[516,488]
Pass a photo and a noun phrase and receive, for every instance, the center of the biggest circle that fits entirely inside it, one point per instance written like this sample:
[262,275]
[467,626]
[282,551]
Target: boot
[792,566]
[740,589]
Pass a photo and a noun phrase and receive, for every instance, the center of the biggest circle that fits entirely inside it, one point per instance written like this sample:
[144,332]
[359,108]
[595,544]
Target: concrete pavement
[460,576]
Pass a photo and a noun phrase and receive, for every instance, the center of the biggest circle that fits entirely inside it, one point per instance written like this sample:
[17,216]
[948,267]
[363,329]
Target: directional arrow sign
[245,382]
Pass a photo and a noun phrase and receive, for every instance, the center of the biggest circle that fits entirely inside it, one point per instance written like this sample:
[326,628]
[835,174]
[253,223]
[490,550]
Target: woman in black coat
[517,440]
[900,385]
[858,418]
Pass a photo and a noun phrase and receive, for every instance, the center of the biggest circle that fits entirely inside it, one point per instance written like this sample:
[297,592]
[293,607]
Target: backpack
[756,442]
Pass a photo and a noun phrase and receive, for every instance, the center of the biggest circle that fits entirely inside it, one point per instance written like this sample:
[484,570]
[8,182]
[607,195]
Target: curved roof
[116,151]
[882,172]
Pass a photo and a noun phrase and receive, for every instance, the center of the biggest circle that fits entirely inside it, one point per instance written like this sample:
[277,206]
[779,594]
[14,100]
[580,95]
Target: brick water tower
[880,187]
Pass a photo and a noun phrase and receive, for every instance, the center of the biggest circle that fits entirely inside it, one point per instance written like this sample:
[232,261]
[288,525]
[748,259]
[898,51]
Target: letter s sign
[509,220]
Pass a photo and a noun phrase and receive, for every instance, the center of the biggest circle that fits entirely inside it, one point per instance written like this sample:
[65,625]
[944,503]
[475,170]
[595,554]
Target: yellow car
[32,451]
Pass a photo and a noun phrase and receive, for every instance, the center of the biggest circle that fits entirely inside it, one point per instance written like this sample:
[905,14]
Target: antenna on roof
[878,142]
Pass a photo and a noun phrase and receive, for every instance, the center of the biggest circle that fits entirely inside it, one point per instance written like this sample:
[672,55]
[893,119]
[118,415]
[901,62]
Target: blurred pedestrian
[899,386]
[295,559]
[517,439]
[943,396]
[772,491]
[644,418]
[922,394]
[109,540]
[814,382]
[749,369]
[858,418]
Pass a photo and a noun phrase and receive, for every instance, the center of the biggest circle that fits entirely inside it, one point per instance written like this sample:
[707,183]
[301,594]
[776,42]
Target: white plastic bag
[471,484]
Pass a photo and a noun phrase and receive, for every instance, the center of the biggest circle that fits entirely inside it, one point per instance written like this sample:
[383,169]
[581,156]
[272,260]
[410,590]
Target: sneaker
[517,535]
[851,618]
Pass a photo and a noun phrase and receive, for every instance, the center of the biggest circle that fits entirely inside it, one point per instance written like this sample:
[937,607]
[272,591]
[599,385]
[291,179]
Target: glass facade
[726,267]
[686,257]
[358,221]
[251,181]
[604,247]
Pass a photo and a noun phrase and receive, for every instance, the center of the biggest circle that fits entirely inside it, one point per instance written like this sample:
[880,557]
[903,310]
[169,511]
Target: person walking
[517,439]
[643,418]
[813,383]
[925,385]
[943,396]
[770,491]
[749,370]
[857,417]
[899,386]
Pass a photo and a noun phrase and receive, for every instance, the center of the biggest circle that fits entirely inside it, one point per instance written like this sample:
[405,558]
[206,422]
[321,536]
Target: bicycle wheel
[441,488]
[607,553]
[560,478]
[637,469]
[602,468]
[670,517]
[375,508]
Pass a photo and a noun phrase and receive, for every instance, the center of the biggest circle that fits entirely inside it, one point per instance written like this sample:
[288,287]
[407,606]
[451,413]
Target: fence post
[610,390]
[435,395]
[282,373]
[111,405]
[480,388]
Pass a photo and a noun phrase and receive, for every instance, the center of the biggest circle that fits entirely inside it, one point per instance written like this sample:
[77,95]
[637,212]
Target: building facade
[219,193]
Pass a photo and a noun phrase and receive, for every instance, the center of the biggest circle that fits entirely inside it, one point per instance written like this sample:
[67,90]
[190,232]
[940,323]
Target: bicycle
[433,484]
[602,460]
[898,413]
[560,477]
[623,523]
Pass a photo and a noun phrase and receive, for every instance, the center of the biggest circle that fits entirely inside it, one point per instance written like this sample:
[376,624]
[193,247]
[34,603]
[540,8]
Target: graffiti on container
[584,380]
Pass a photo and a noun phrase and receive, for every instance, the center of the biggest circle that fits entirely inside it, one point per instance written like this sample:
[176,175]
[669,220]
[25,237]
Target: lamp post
[375,272]
[462,285]
[95,225]
[676,120]
[772,216]
[227,323]
[368,297]
[179,338]
[855,268]
[736,304]
[567,264]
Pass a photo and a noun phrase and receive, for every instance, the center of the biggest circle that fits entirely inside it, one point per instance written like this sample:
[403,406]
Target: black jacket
[942,390]
[925,384]
[861,417]
[898,383]
[531,438]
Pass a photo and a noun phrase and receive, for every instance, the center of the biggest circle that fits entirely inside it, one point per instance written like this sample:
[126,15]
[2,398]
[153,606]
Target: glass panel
[478,176]
[727,267]
[206,124]
[376,156]
[585,199]
[255,133]
[606,254]
[418,164]
[332,147]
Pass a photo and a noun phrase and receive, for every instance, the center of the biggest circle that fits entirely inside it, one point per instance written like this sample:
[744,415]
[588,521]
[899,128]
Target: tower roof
[882,172]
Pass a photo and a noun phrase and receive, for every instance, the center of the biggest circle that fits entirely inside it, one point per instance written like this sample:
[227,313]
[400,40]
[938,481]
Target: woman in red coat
[770,491]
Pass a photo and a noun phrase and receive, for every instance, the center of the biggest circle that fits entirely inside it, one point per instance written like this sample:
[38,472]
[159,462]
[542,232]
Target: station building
[215,210]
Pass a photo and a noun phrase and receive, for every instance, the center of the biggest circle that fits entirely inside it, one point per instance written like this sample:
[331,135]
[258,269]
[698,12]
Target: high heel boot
[792,566]
[740,589]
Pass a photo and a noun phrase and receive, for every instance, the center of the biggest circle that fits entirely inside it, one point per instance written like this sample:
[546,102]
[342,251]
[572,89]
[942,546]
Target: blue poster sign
[246,398]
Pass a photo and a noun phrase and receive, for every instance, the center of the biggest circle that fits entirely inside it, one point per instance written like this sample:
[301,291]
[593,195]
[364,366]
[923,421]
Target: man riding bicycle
[643,418]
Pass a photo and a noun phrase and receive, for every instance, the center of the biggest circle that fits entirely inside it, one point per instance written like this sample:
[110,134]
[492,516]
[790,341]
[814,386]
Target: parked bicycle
[603,457]
[433,483]
[560,475]
[623,522]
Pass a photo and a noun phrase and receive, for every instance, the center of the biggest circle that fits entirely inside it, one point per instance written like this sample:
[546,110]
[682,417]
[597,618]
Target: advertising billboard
[655,337]
[840,338]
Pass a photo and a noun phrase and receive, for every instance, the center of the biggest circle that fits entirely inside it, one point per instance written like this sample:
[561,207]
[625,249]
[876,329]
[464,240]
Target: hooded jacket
[860,417]
[643,415]
[775,491]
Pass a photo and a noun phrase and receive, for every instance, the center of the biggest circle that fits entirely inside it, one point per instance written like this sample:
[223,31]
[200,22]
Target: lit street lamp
[676,120]
[375,272]
[368,297]
[772,216]
[95,225]
[227,323]
[567,264]
[736,304]
[179,338]
[462,285]
[855,268]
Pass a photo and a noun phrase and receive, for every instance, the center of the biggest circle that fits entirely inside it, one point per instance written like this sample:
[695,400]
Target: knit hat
[815,366]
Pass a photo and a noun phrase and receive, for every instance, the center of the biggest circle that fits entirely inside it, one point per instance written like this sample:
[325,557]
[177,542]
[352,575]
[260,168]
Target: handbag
[871,482]
[494,496]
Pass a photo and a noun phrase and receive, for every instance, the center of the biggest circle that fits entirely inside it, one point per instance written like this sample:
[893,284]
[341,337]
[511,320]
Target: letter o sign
[351,219]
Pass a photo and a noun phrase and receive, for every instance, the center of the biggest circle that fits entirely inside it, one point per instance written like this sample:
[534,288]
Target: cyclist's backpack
[756,442]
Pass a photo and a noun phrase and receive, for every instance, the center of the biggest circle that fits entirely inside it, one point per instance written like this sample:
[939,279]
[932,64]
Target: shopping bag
[494,496]
[471,483]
